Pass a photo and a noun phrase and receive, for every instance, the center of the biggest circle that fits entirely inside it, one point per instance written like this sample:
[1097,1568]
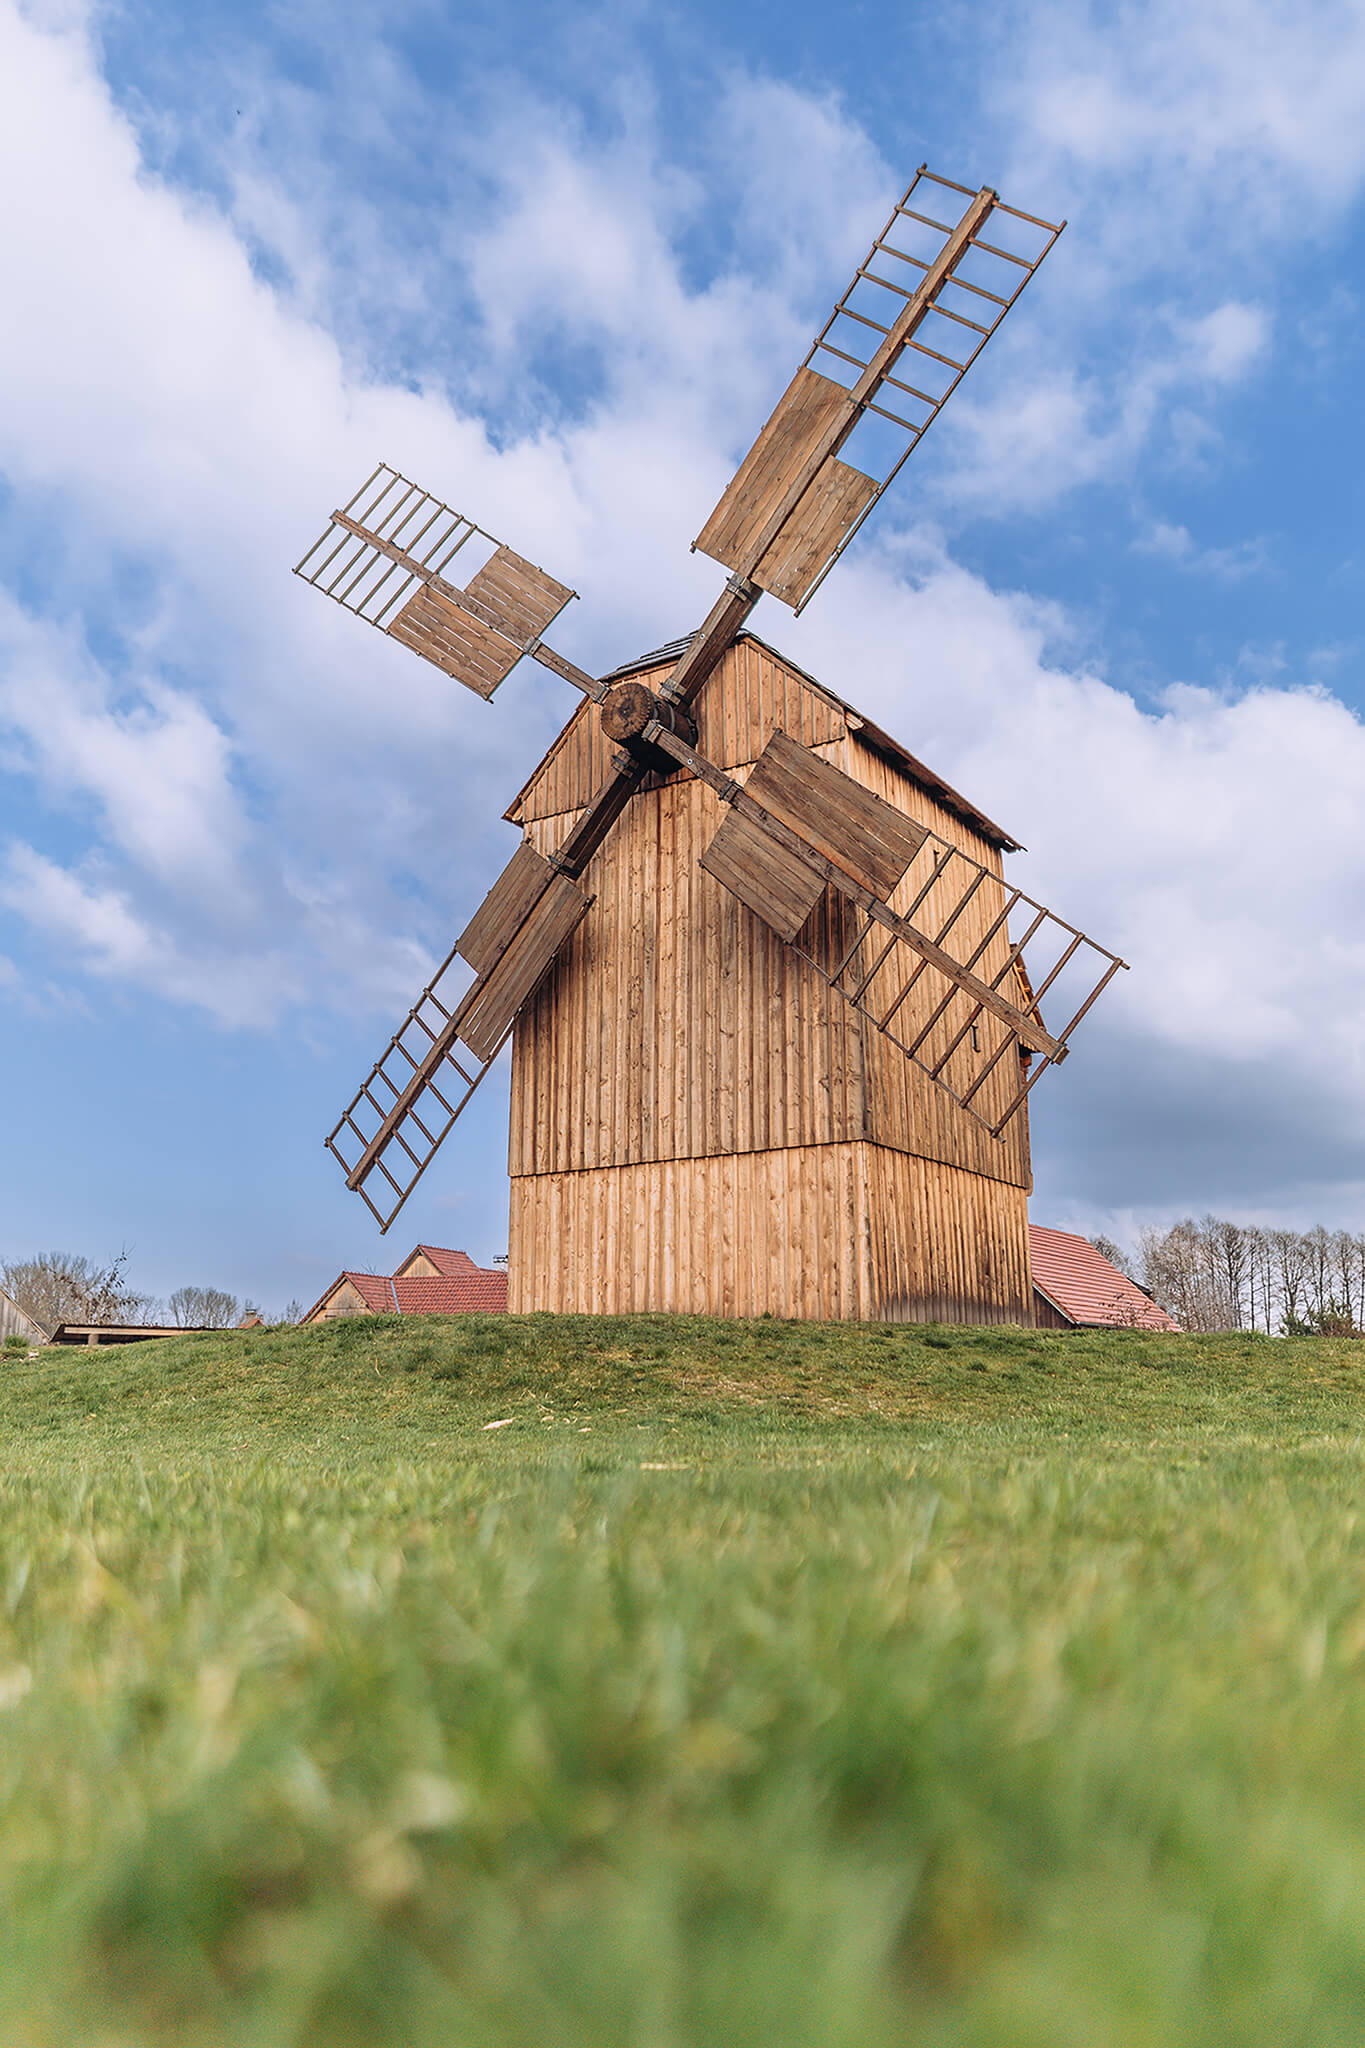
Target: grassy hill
[748,1683]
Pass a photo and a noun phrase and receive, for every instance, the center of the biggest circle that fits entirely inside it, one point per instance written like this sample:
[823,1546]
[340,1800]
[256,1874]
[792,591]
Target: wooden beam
[557,665]
[708,648]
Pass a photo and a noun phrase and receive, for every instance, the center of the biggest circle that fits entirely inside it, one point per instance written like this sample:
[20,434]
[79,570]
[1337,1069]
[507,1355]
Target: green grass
[755,1684]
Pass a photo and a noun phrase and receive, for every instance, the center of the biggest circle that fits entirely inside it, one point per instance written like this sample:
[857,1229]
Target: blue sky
[557,263]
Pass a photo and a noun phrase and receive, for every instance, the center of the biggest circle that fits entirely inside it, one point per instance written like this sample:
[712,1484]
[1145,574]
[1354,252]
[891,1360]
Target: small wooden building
[699,1123]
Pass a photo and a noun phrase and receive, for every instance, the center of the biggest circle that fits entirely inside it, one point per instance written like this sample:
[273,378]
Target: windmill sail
[931,963]
[384,556]
[920,308]
[389,1132]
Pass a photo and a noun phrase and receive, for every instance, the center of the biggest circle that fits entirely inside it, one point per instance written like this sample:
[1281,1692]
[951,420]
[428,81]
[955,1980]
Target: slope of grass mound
[747,1683]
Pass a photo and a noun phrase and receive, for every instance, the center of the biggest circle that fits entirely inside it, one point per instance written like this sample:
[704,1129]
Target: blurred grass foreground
[669,1684]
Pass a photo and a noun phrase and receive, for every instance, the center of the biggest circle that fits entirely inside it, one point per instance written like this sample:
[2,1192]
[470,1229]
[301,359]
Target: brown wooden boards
[859,831]
[771,880]
[520,598]
[811,408]
[443,633]
[879,972]
[847,1229]
[504,909]
[486,1016]
[813,534]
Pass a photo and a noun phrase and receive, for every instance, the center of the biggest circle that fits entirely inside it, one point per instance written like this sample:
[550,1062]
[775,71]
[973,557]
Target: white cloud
[1252,105]
[1226,343]
[1177,545]
[1049,429]
[115,941]
[156,765]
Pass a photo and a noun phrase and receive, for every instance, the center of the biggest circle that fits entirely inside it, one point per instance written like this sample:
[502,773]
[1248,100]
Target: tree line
[67,1287]
[1217,1275]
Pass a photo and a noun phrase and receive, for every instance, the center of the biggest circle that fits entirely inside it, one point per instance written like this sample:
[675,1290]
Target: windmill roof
[1088,1288]
[868,731]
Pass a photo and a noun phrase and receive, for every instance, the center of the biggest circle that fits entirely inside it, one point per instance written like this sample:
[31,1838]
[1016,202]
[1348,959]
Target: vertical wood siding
[820,1232]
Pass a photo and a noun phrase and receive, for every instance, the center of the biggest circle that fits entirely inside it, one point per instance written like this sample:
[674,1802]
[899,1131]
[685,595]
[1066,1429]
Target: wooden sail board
[860,832]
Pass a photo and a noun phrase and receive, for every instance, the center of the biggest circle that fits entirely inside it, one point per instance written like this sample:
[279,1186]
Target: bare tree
[1317,1266]
[64,1287]
[1344,1275]
[1220,1275]
[1287,1251]
[1229,1254]
[1258,1278]
[204,1308]
[1171,1272]
[1115,1254]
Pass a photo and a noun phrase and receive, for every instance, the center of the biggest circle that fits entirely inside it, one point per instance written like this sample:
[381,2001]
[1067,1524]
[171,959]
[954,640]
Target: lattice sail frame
[793,506]
[410,1098]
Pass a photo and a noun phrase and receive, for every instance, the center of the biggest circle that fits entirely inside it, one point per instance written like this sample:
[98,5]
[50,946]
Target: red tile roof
[461,1288]
[1084,1285]
[454,1265]
[450,1294]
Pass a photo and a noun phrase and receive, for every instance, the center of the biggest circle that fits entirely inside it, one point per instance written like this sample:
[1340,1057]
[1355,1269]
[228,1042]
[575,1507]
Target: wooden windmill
[776,1013]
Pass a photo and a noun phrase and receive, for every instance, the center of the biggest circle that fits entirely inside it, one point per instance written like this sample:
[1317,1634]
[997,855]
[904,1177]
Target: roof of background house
[454,1265]
[1087,1287]
[461,1288]
[881,742]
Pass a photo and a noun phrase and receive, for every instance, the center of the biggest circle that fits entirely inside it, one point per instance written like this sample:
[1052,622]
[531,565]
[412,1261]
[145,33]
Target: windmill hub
[629,707]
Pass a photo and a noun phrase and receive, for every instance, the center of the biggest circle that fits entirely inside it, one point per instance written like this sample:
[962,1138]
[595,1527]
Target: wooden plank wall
[825,1232]
[1046,1317]
[14,1323]
[948,1246]
[675,1024]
